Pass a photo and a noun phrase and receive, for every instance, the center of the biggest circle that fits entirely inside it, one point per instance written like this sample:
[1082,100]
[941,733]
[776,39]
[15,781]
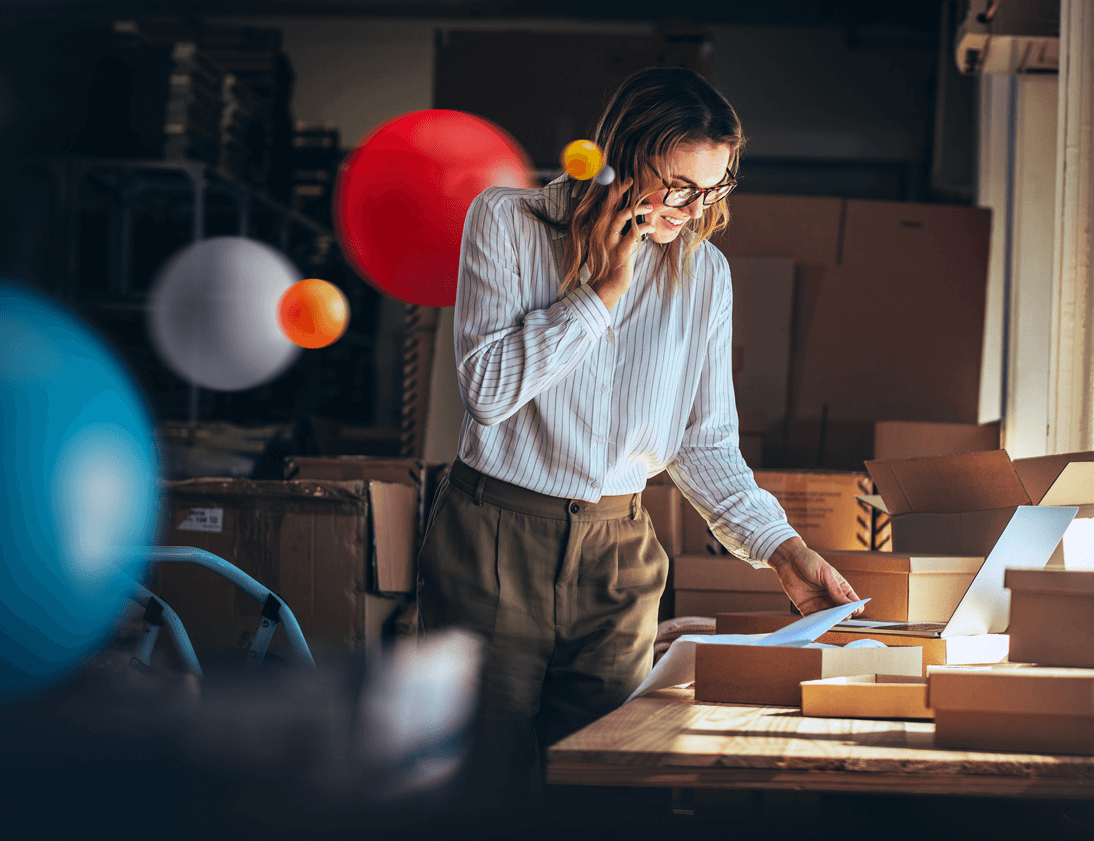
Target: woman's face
[690,166]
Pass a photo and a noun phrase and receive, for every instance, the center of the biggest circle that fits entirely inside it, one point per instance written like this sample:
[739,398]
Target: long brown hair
[653,113]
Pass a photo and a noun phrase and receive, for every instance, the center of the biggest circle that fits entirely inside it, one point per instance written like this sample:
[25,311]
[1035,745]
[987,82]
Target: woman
[592,332]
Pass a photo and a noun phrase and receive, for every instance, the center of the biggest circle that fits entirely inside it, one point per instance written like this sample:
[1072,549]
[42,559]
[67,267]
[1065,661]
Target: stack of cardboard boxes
[822,505]
[337,540]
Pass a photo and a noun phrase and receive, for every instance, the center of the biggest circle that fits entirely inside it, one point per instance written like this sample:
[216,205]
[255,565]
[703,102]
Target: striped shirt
[569,399]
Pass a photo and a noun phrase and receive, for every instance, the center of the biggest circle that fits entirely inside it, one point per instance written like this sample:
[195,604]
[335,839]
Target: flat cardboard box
[911,439]
[959,504]
[866,696]
[416,473]
[1015,709]
[713,602]
[706,585]
[978,649]
[823,505]
[341,555]
[762,674]
[664,504]
[859,262]
[906,587]
[1051,616]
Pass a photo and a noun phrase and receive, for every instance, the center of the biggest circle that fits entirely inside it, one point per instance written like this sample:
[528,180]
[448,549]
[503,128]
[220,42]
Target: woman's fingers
[623,225]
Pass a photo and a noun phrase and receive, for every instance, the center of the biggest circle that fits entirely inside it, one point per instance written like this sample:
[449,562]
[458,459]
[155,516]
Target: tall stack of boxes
[194,106]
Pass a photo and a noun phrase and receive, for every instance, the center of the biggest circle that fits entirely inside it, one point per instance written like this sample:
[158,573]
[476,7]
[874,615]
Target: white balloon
[212,313]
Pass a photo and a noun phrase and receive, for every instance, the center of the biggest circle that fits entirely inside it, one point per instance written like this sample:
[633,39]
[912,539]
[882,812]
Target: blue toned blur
[78,491]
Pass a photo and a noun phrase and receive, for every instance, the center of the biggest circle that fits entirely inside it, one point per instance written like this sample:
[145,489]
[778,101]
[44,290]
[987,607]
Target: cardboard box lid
[775,661]
[1029,690]
[1064,479]
[1063,582]
[899,562]
[948,484]
[722,572]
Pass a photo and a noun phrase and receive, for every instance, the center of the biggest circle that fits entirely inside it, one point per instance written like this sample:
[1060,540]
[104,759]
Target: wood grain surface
[668,739]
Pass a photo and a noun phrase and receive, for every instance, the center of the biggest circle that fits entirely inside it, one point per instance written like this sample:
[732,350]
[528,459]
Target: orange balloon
[313,313]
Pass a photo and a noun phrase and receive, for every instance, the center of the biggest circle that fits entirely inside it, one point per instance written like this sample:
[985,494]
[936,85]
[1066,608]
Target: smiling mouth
[673,223]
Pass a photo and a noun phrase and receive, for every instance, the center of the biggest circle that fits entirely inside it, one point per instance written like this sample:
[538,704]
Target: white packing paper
[677,665]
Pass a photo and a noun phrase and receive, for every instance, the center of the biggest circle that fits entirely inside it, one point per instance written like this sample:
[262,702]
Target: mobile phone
[640,218]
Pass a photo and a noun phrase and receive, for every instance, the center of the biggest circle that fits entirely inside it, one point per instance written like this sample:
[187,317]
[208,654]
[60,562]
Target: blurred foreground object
[79,483]
[313,313]
[402,196]
[362,747]
[213,313]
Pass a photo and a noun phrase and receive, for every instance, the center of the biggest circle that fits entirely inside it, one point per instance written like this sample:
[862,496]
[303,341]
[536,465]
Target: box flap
[394,530]
[1063,582]
[1018,690]
[1044,473]
[948,484]
[874,501]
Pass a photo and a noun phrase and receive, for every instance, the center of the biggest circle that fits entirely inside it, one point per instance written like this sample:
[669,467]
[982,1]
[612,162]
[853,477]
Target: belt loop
[635,498]
[479,489]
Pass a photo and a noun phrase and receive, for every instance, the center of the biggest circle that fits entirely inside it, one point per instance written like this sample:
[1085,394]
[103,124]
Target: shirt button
[604,388]
[574,507]
[596,484]
[600,439]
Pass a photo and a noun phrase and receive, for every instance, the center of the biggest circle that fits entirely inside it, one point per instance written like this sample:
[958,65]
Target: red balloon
[402,195]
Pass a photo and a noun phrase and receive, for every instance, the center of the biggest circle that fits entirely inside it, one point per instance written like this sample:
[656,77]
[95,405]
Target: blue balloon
[79,491]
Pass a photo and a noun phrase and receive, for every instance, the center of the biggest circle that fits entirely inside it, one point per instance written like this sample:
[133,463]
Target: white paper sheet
[677,665]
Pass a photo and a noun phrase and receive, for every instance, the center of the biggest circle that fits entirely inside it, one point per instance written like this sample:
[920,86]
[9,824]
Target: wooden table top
[666,739]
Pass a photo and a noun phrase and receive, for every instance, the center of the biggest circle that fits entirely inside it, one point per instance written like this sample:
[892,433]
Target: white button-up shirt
[572,400]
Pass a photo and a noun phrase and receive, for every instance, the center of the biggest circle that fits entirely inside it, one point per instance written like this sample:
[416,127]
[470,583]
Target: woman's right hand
[622,251]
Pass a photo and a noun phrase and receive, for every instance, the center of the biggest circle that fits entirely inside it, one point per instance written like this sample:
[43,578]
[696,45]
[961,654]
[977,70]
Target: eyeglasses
[683,196]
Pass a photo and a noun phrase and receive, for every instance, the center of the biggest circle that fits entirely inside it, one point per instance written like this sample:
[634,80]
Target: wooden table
[668,740]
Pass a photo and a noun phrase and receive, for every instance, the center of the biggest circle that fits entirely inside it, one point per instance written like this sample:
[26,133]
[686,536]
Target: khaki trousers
[565,594]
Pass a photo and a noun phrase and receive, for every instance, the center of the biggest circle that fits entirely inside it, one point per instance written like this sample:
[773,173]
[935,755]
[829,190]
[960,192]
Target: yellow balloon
[582,159]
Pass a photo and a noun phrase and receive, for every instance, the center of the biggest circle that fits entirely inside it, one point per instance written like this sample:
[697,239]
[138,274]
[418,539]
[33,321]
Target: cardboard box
[911,439]
[978,649]
[761,674]
[341,555]
[1051,616]
[823,506]
[664,504]
[696,537]
[1016,709]
[866,696]
[905,587]
[706,585]
[959,504]
[424,476]
[859,262]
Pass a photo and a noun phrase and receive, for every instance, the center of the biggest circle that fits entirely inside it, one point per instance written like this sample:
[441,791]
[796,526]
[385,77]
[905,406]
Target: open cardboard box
[1015,708]
[959,504]
[866,696]
[1051,616]
[971,650]
[906,587]
[769,674]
